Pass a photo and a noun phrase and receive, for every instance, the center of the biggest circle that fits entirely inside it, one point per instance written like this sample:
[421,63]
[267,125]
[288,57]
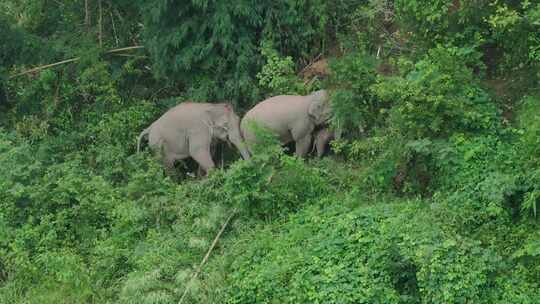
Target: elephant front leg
[204,159]
[303,145]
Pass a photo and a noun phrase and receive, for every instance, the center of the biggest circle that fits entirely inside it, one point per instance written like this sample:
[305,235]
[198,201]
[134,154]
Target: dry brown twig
[310,64]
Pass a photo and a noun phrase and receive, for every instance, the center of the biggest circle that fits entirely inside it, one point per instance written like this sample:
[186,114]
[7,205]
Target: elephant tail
[143,133]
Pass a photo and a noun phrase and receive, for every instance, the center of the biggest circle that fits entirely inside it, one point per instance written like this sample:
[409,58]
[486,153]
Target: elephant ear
[219,117]
[318,104]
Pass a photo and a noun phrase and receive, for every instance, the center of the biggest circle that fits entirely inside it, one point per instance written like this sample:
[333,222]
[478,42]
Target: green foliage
[515,28]
[461,23]
[366,24]
[212,48]
[271,183]
[438,96]
[480,184]
[506,30]
[407,115]
[530,126]
[354,105]
[17,46]
[432,198]
[528,151]
[427,20]
[278,74]
[390,253]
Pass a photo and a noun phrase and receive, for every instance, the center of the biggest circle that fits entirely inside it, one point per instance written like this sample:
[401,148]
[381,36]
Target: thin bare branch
[196,274]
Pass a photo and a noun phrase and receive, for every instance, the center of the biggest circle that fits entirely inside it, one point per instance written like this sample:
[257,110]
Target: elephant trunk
[236,139]
[241,146]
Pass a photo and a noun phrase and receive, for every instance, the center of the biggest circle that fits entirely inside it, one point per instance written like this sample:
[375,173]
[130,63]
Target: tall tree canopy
[206,44]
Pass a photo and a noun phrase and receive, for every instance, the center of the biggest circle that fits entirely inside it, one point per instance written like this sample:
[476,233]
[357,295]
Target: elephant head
[320,110]
[225,125]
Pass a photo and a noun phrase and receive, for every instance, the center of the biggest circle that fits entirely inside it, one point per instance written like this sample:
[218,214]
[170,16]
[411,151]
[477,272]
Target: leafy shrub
[513,27]
[434,22]
[354,106]
[528,151]
[438,96]
[391,253]
[278,74]
[272,183]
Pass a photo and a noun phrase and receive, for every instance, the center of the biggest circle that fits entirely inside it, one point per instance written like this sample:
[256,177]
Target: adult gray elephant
[291,117]
[188,130]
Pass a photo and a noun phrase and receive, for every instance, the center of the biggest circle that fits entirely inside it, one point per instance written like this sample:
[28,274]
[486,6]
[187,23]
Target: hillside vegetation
[431,194]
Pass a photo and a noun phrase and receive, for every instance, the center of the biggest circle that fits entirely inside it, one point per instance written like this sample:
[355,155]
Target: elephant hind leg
[169,157]
[168,164]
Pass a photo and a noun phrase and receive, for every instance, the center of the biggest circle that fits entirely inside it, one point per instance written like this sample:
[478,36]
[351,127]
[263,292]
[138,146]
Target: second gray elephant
[291,117]
[188,130]
[322,138]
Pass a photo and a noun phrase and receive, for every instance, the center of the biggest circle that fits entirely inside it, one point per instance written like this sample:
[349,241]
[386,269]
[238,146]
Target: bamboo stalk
[46,66]
[128,55]
[114,28]
[87,14]
[136,47]
[100,24]
[39,68]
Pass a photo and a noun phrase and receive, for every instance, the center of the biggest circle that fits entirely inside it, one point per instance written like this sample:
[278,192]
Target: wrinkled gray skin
[291,117]
[322,138]
[188,130]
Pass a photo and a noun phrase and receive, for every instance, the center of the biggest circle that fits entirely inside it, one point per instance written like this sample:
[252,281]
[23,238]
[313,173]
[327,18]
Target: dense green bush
[437,96]
[355,108]
[390,253]
[277,76]
[407,115]
[528,148]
